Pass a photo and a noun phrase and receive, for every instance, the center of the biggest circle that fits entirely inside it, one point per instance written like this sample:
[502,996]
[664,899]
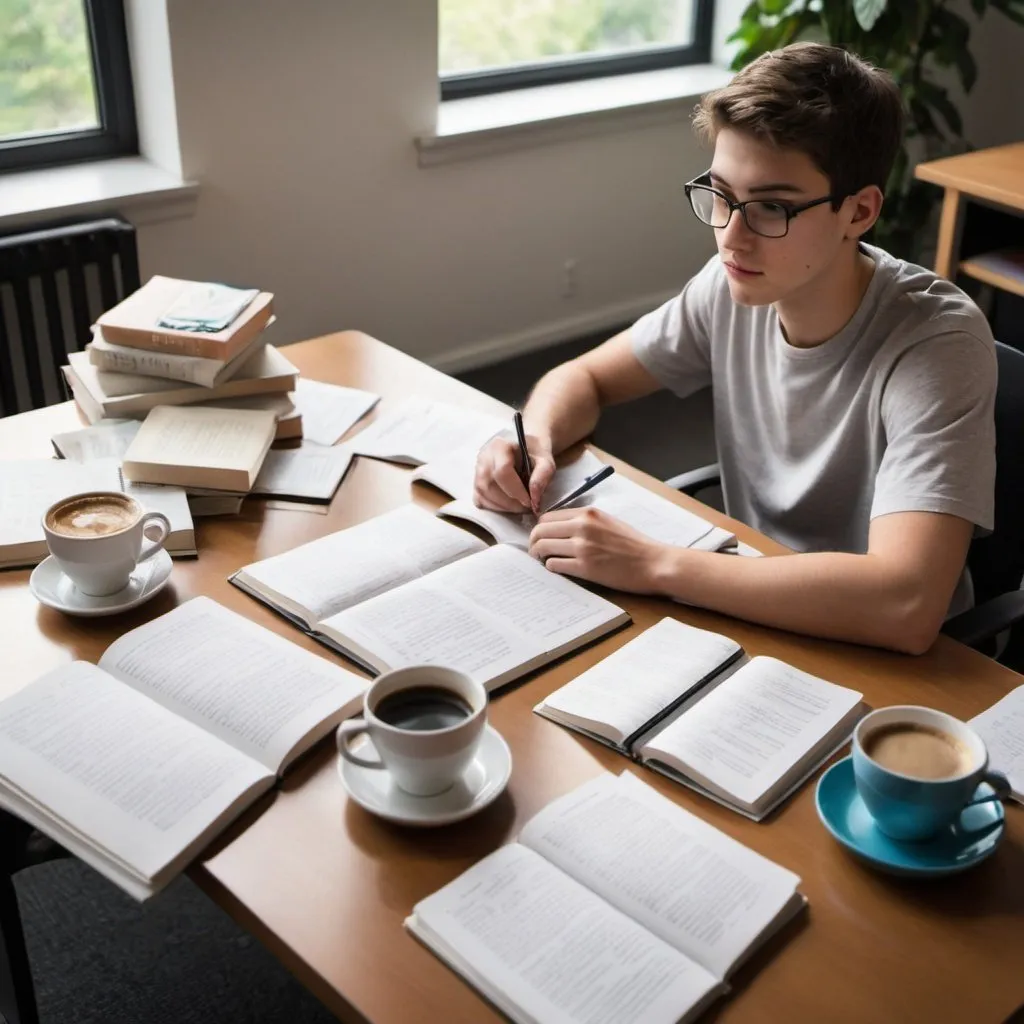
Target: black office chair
[56,258]
[997,561]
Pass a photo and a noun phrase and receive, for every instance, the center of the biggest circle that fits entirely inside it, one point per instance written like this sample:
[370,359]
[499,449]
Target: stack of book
[177,342]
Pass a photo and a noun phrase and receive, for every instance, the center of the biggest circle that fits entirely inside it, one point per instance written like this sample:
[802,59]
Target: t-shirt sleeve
[674,341]
[938,409]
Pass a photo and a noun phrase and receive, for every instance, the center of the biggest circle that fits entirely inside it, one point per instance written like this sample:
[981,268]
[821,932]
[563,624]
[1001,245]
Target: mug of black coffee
[426,723]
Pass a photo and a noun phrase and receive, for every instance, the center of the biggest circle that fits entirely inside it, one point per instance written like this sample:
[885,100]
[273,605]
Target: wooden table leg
[950,227]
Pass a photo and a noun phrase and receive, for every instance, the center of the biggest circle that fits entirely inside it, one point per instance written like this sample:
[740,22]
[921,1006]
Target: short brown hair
[844,113]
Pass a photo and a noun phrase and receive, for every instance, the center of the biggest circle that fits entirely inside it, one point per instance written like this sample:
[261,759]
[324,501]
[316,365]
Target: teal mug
[912,807]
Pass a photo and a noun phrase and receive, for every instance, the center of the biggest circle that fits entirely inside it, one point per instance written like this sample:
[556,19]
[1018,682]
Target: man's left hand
[592,545]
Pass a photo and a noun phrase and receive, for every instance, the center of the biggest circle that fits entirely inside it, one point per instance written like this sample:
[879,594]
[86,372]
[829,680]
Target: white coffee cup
[422,760]
[99,537]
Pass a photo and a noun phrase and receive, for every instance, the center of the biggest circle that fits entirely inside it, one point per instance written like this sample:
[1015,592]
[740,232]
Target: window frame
[117,134]
[463,84]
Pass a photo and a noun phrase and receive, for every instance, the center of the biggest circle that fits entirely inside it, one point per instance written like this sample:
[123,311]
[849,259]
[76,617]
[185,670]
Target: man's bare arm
[564,407]
[567,401]
[896,596]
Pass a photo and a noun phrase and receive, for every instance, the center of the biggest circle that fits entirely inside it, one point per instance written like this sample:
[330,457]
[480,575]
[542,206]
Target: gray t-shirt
[892,414]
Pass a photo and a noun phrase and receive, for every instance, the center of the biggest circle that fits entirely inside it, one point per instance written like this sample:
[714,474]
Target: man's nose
[736,235]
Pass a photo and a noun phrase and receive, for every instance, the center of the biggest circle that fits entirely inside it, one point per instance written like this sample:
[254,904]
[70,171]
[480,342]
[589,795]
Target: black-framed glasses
[766,217]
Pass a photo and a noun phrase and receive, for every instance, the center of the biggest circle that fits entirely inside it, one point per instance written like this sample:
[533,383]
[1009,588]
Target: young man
[853,392]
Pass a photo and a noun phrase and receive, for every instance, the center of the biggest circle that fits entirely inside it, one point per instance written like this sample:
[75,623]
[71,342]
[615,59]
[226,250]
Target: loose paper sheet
[329,410]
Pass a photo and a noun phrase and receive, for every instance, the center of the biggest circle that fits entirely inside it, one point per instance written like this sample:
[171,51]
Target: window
[492,45]
[65,82]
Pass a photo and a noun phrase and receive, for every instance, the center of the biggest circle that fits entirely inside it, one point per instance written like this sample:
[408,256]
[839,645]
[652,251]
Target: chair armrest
[976,625]
[696,480]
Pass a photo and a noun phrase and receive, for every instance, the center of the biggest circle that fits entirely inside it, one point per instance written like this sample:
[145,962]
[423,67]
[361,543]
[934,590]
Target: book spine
[188,369]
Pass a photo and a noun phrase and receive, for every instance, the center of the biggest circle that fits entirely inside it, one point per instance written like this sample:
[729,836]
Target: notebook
[195,446]
[614,905]
[684,701]
[406,588]
[134,764]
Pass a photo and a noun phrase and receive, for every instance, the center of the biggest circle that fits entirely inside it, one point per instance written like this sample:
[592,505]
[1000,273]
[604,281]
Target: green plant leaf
[1011,8]
[939,100]
[867,12]
[967,69]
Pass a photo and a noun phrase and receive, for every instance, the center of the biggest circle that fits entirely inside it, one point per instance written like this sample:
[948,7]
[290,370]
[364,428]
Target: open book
[136,763]
[619,496]
[615,905]
[408,589]
[28,487]
[678,699]
[1002,728]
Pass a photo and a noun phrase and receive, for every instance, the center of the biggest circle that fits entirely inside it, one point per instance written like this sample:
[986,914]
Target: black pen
[526,469]
[592,481]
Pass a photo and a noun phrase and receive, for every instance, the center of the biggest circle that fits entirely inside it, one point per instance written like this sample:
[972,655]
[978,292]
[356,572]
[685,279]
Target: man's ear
[866,205]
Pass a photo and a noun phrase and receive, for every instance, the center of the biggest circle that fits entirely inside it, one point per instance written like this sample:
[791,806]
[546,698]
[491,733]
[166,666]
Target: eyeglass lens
[764,218]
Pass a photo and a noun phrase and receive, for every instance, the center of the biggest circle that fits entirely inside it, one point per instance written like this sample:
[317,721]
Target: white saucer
[52,588]
[483,782]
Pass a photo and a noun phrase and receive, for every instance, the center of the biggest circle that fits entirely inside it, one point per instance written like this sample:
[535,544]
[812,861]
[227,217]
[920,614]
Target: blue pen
[592,481]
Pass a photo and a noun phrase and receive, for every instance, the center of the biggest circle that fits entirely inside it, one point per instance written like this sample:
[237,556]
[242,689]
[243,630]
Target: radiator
[54,282]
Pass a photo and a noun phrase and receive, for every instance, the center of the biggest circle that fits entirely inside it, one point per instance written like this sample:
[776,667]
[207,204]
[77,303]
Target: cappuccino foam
[93,515]
[918,751]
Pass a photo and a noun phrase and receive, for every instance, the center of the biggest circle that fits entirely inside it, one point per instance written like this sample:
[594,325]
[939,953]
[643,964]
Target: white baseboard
[483,353]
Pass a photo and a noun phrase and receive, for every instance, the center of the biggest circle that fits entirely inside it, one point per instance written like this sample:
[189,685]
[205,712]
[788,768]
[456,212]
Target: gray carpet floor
[99,958]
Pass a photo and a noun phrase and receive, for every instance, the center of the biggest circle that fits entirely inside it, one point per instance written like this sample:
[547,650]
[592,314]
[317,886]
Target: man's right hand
[497,484]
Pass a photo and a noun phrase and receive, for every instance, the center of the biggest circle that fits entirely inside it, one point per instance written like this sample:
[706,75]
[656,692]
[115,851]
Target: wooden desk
[976,237]
[326,886]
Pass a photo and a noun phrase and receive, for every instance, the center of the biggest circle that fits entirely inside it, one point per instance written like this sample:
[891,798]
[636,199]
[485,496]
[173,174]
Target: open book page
[624,692]
[264,695]
[547,950]
[311,471]
[115,771]
[705,894]
[108,439]
[487,615]
[746,735]
[654,516]
[1002,729]
[317,580]
[28,487]
[329,410]
[420,431]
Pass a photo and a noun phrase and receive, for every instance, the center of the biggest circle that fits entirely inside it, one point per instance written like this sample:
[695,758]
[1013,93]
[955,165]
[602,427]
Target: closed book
[103,395]
[195,447]
[289,418]
[208,373]
[134,322]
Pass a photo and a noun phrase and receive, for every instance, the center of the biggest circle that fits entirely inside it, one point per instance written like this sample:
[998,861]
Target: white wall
[298,119]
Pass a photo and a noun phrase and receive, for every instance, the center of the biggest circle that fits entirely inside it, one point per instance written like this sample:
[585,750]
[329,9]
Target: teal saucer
[962,845]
